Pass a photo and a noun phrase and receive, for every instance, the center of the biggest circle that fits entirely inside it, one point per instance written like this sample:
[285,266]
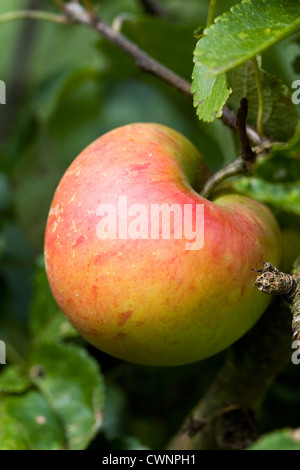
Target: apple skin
[148,301]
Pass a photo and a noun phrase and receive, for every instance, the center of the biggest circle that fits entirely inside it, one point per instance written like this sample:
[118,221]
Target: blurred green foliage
[66,86]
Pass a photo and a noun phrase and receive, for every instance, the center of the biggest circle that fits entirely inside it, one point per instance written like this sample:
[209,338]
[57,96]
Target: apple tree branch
[74,12]
[226,416]
[274,282]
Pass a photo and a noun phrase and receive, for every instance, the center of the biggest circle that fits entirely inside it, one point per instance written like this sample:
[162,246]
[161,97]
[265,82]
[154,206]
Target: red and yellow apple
[143,296]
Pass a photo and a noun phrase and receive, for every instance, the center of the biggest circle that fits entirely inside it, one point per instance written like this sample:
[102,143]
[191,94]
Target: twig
[150,65]
[274,282]
[34,15]
[229,118]
[247,154]
[143,60]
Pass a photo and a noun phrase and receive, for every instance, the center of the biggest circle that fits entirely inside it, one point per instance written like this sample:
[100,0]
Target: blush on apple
[136,291]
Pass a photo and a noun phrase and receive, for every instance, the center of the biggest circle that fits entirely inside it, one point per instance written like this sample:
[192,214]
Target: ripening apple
[145,268]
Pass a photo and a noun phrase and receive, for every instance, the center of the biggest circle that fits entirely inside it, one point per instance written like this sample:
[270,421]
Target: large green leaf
[246,30]
[70,381]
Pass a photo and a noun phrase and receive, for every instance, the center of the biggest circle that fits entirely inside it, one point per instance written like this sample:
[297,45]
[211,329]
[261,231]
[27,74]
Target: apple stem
[236,167]
[248,155]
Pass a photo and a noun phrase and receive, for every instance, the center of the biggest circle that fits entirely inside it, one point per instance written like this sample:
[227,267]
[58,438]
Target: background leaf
[28,423]
[284,439]
[13,379]
[70,381]
[280,114]
[286,196]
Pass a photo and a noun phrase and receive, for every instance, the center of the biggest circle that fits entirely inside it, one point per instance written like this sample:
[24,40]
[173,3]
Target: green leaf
[47,322]
[71,382]
[245,31]
[13,379]
[284,439]
[280,114]
[284,196]
[210,94]
[28,423]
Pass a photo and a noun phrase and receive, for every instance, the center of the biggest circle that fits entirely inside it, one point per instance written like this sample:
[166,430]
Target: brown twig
[247,154]
[76,13]
[274,282]
[147,63]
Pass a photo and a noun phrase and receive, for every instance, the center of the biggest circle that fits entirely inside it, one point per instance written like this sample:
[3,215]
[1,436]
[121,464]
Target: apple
[143,266]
